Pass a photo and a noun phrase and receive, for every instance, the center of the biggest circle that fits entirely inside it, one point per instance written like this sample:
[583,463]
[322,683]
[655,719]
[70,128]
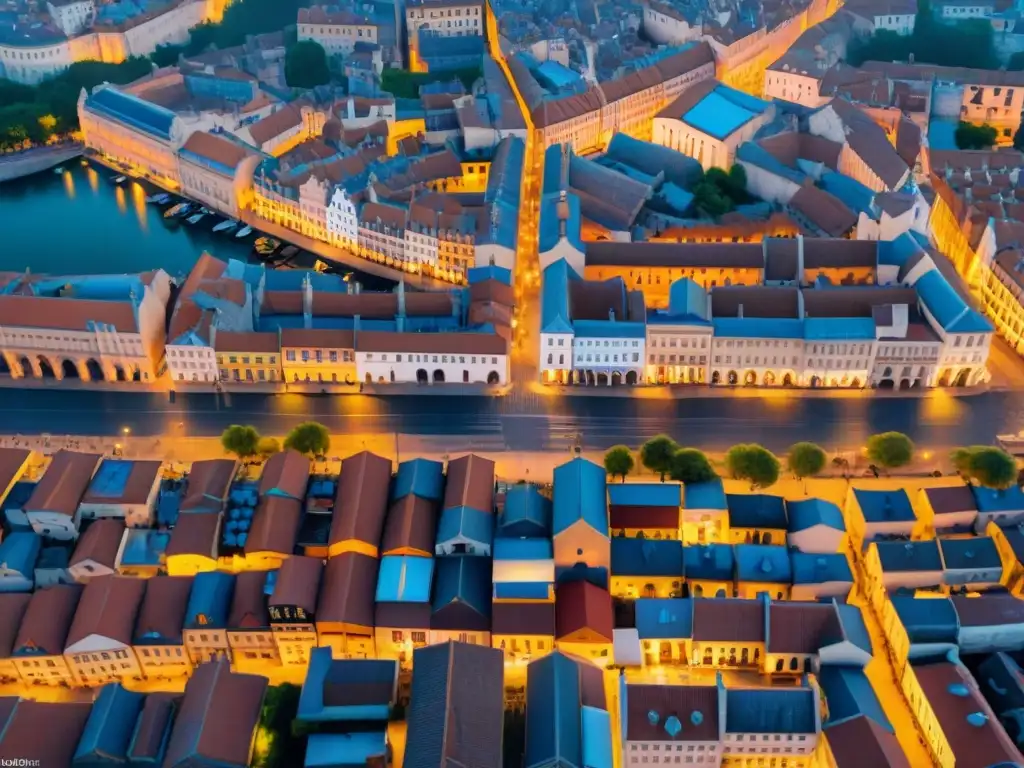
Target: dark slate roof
[720,619]
[770,710]
[62,725]
[526,512]
[861,741]
[885,506]
[969,554]
[647,557]
[909,556]
[553,704]
[457,708]
[664,618]
[462,594]
[671,713]
[804,628]
[361,502]
[927,620]
[108,732]
[756,510]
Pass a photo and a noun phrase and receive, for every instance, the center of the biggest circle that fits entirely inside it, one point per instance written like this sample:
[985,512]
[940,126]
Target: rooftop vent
[673,726]
[977,719]
[696,717]
[959,689]
[653,717]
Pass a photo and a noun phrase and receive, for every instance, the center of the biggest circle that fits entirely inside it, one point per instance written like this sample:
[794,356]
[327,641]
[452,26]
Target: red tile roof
[12,464]
[251,341]
[249,602]
[275,526]
[523,619]
[861,741]
[194,534]
[208,483]
[12,610]
[411,524]
[470,483]
[803,628]
[433,343]
[286,473]
[107,609]
[298,584]
[142,477]
[162,612]
[48,619]
[217,148]
[582,605]
[988,610]
[667,701]
[64,483]
[66,314]
[346,597]
[728,620]
[361,501]
[44,733]
[99,543]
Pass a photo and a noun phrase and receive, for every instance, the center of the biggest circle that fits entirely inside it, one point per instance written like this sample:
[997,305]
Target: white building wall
[703,753]
[457,369]
[342,221]
[192,363]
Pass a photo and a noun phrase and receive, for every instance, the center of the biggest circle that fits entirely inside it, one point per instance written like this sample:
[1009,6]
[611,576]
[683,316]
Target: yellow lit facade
[399,643]
[317,357]
[346,641]
[44,669]
[710,588]
[294,643]
[667,651]
[656,281]
[757,536]
[1013,570]
[749,590]
[705,526]
[522,649]
[717,654]
[163,660]
[249,367]
[631,587]
[206,644]
[249,645]
[94,668]
[587,645]
[190,564]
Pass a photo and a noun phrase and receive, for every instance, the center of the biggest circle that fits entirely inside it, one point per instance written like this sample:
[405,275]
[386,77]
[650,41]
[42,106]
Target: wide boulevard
[524,421]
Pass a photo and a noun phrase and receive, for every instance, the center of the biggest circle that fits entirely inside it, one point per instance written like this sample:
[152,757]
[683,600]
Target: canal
[81,222]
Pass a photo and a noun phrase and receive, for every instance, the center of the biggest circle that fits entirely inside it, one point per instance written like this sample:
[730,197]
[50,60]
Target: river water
[80,222]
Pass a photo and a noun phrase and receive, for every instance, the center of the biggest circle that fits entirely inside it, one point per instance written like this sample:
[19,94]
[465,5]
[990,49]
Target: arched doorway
[602,379]
[769,379]
[963,377]
[734,378]
[815,381]
[904,383]
[750,379]
[616,379]
[69,370]
[45,369]
[26,367]
[944,379]
[119,373]
[493,377]
[591,378]
[96,372]
[855,384]
[716,377]
[391,375]
[886,384]
[438,376]
[787,380]
[369,378]
[421,376]
[631,377]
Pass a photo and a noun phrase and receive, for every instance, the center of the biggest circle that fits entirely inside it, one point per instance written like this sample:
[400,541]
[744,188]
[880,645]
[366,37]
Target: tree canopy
[406,85]
[719,192]
[966,43]
[805,459]
[691,466]
[305,65]
[618,461]
[657,453]
[986,465]
[970,136]
[310,438]
[268,446]
[753,463]
[241,440]
[890,450]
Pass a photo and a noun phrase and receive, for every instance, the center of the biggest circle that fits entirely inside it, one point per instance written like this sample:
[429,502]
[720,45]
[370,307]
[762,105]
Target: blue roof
[420,477]
[664,618]
[526,512]
[758,327]
[652,159]
[770,710]
[557,75]
[492,271]
[342,750]
[465,580]
[896,253]
[967,554]
[19,552]
[756,155]
[854,195]
[612,329]
[108,731]
[465,522]
[807,513]
[522,590]
[756,510]
[709,495]
[909,556]
[580,494]
[647,557]
[111,478]
[404,579]
[645,495]
[812,568]
[132,111]
[885,506]
[553,719]
[761,563]
[523,549]
[724,111]
[927,619]
[856,631]
[686,297]
[210,600]
[555,317]
[367,676]
[597,738]
[144,546]
[551,225]
[710,562]
[849,694]
[839,328]
[991,500]
[947,307]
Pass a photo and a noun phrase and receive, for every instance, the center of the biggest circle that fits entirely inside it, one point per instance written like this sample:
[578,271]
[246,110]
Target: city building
[818,574]
[672,718]
[815,526]
[361,505]
[52,509]
[646,568]
[756,518]
[523,631]
[194,544]
[871,513]
[789,718]
[207,484]
[649,510]
[217,171]
[158,637]
[250,637]
[142,552]
[762,569]
[206,616]
[123,489]
[665,629]
[62,723]
[19,553]
[970,564]
[345,607]
[580,518]
[12,613]
[292,608]
[38,649]
[445,17]
[461,606]
[336,31]
[709,570]
[99,648]
[584,620]
[728,632]
[248,357]
[705,513]
[96,550]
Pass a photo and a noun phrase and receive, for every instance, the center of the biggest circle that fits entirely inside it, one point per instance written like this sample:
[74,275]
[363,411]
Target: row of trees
[310,438]
[719,192]
[985,465]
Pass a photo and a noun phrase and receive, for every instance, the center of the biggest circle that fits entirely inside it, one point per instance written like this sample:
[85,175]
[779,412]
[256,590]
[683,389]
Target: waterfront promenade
[17,165]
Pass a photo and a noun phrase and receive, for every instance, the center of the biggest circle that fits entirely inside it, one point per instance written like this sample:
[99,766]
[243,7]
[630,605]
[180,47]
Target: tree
[805,459]
[986,465]
[1018,139]
[691,466]
[305,65]
[969,136]
[618,461]
[890,450]
[753,463]
[656,454]
[268,446]
[243,441]
[167,55]
[736,183]
[310,438]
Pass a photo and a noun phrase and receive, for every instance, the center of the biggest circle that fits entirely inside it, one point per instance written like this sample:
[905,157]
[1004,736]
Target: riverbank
[21,164]
[338,257]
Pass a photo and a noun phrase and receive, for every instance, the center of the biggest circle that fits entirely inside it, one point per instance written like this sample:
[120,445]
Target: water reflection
[122,204]
[139,206]
[94,179]
[69,184]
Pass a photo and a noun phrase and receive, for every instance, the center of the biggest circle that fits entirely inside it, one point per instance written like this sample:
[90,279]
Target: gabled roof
[162,612]
[526,512]
[462,594]
[885,506]
[849,694]
[771,710]
[149,742]
[62,724]
[64,482]
[361,502]
[909,556]
[802,628]
[47,620]
[275,526]
[581,605]
[647,557]
[644,505]
[194,534]
[411,524]
[950,500]
[711,562]
[763,563]
[470,483]
[249,601]
[806,513]
[346,595]
[107,609]
[709,495]
[12,610]
[722,619]
[298,584]
[947,306]
[108,731]
[580,494]
[556,687]
[815,568]
[285,474]
[861,741]
[465,523]
[664,618]
[19,551]
[756,510]
[422,477]
[991,500]
[672,713]
[99,543]
[927,620]
[218,717]
[210,600]
[404,579]
[534,618]
[208,484]
[994,610]
[974,553]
